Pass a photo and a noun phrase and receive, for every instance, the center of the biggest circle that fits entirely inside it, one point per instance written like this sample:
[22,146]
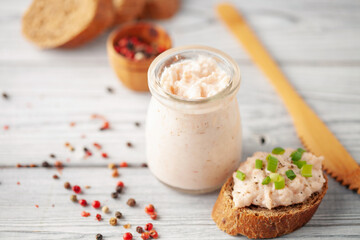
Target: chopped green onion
[290,174]
[278,150]
[258,164]
[299,164]
[297,154]
[266,181]
[274,176]
[280,183]
[306,170]
[272,163]
[240,175]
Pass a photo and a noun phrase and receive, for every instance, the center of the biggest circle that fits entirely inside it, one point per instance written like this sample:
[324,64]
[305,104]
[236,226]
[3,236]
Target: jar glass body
[193,145]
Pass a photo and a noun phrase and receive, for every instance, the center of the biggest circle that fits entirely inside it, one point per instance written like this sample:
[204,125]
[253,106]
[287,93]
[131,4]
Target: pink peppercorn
[127,236]
[98,217]
[123,164]
[120,184]
[148,226]
[145,235]
[104,155]
[96,204]
[76,189]
[85,214]
[83,202]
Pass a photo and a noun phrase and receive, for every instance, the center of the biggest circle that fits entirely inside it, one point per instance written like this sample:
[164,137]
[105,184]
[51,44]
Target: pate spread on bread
[252,191]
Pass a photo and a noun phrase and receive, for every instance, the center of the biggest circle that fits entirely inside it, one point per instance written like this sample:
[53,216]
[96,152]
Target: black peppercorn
[139,229]
[131,202]
[52,155]
[5,96]
[114,195]
[129,144]
[67,185]
[119,189]
[99,236]
[45,164]
[118,214]
[144,165]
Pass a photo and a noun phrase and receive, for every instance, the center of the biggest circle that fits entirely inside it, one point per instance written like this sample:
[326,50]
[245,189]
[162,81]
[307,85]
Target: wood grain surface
[316,44]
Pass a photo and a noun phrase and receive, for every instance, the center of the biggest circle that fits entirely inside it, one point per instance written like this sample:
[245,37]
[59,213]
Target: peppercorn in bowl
[132,47]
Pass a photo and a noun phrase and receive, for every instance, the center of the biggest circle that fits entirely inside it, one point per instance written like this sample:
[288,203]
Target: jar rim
[156,88]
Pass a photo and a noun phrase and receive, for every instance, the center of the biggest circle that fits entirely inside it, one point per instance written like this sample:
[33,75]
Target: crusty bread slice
[126,10]
[66,23]
[258,222]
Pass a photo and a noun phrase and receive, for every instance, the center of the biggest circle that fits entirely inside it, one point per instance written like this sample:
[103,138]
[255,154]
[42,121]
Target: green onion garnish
[299,164]
[274,176]
[266,181]
[272,163]
[278,150]
[258,164]
[240,175]
[290,174]
[280,183]
[306,170]
[297,154]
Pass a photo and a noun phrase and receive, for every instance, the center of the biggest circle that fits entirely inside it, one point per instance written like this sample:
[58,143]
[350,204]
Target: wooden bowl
[133,73]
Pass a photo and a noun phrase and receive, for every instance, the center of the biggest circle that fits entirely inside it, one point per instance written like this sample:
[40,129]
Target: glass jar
[193,145]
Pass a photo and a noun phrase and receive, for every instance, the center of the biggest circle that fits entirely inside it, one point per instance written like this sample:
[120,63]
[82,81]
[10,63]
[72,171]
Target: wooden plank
[181,216]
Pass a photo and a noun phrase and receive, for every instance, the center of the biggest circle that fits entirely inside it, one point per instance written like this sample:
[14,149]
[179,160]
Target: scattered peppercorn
[154,234]
[83,202]
[45,164]
[119,189]
[145,235]
[104,155]
[150,209]
[73,198]
[33,165]
[55,176]
[76,189]
[139,229]
[5,95]
[98,217]
[148,226]
[52,155]
[96,204]
[127,236]
[123,164]
[126,226]
[85,214]
[105,126]
[105,209]
[18,165]
[115,173]
[118,214]
[110,90]
[131,202]
[144,165]
[58,165]
[137,124]
[120,184]
[114,195]
[67,185]
[153,216]
[129,144]
[37,206]
[72,124]
[99,236]
[87,186]
[111,166]
[97,146]
[113,221]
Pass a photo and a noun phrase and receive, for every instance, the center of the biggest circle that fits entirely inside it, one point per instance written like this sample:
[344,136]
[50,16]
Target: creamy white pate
[194,78]
[252,191]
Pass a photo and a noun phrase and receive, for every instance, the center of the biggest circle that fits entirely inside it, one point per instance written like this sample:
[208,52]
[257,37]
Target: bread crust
[258,222]
[102,20]
[160,9]
[127,10]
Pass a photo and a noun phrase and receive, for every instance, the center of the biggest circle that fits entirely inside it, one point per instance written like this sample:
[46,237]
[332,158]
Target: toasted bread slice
[258,222]
[66,23]
[126,10]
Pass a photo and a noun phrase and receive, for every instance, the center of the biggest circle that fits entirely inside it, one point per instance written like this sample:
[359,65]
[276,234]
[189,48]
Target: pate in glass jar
[193,128]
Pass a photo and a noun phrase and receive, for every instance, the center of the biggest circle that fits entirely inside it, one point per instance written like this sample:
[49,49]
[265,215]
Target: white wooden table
[317,44]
